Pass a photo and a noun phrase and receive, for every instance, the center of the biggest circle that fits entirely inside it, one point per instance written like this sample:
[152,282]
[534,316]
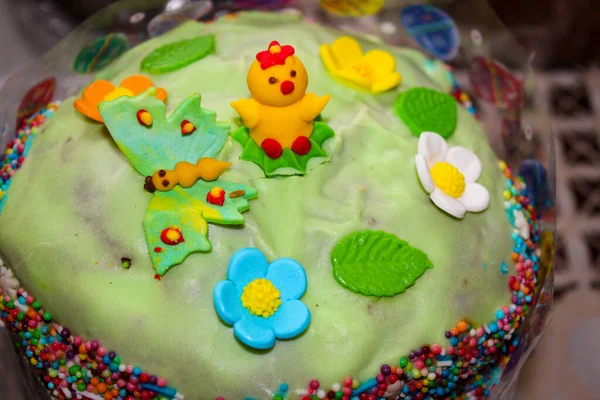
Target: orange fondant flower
[102,90]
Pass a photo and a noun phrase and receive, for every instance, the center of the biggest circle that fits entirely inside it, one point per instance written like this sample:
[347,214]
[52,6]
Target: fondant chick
[280,113]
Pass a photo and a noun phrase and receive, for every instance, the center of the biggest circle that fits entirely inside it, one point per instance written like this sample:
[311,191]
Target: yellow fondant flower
[374,71]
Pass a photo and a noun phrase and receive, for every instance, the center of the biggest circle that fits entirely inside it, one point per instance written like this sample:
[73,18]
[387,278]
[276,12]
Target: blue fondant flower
[261,300]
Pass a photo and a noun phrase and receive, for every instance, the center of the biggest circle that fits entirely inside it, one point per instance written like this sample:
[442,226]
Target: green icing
[75,208]
[377,263]
[289,163]
[427,110]
[176,55]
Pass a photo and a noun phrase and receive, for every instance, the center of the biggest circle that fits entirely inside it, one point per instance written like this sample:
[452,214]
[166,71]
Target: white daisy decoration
[449,176]
[8,283]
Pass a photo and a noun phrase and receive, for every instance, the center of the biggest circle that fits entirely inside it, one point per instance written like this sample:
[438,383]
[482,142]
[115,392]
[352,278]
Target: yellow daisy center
[118,92]
[448,178]
[364,70]
[261,297]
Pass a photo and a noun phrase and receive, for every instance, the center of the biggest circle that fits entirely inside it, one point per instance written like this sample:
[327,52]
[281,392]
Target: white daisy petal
[466,162]
[433,147]
[447,203]
[423,173]
[475,197]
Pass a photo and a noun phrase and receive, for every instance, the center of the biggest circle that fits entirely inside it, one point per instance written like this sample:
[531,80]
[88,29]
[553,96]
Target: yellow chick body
[277,122]
[280,109]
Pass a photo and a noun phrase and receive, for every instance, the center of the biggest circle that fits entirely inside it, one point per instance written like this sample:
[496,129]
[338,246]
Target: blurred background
[557,39]
[563,32]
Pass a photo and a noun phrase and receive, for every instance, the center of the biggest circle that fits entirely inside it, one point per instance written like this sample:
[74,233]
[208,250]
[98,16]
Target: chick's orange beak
[287,87]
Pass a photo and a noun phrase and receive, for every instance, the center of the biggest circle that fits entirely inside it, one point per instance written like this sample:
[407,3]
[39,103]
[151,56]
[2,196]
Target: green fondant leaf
[173,56]
[187,210]
[99,53]
[254,153]
[161,145]
[242,136]
[377,263]
[427,110]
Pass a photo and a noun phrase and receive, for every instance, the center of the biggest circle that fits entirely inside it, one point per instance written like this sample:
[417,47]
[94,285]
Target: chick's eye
[293,73]
[272,80]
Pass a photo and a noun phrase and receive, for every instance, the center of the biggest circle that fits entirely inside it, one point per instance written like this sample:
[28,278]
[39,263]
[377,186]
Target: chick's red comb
[274,55]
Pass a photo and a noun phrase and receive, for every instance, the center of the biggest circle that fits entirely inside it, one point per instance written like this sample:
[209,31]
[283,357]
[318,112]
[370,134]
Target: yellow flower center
[364,70]
[448,178]
[261,297]
[118,92]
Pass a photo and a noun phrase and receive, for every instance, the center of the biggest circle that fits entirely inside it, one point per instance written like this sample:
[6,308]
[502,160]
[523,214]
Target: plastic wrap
[497,93]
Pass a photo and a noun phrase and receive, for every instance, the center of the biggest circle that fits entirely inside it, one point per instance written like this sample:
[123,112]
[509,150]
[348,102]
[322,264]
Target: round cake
[262,207]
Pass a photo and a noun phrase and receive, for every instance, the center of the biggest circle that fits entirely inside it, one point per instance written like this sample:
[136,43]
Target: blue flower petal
[246,265]
[291,319]
[289,277]
[228,304]
[255,332]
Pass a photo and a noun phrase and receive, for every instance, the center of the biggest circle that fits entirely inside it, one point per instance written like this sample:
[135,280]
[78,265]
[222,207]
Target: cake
[360,256]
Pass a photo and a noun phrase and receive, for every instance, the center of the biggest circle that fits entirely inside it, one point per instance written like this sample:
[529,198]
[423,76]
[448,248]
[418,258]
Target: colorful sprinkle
[70,367]
[460,95]
[18,147]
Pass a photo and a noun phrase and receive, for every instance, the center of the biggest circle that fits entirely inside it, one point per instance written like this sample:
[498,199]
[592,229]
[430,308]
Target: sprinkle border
[18,148]
[467,368]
